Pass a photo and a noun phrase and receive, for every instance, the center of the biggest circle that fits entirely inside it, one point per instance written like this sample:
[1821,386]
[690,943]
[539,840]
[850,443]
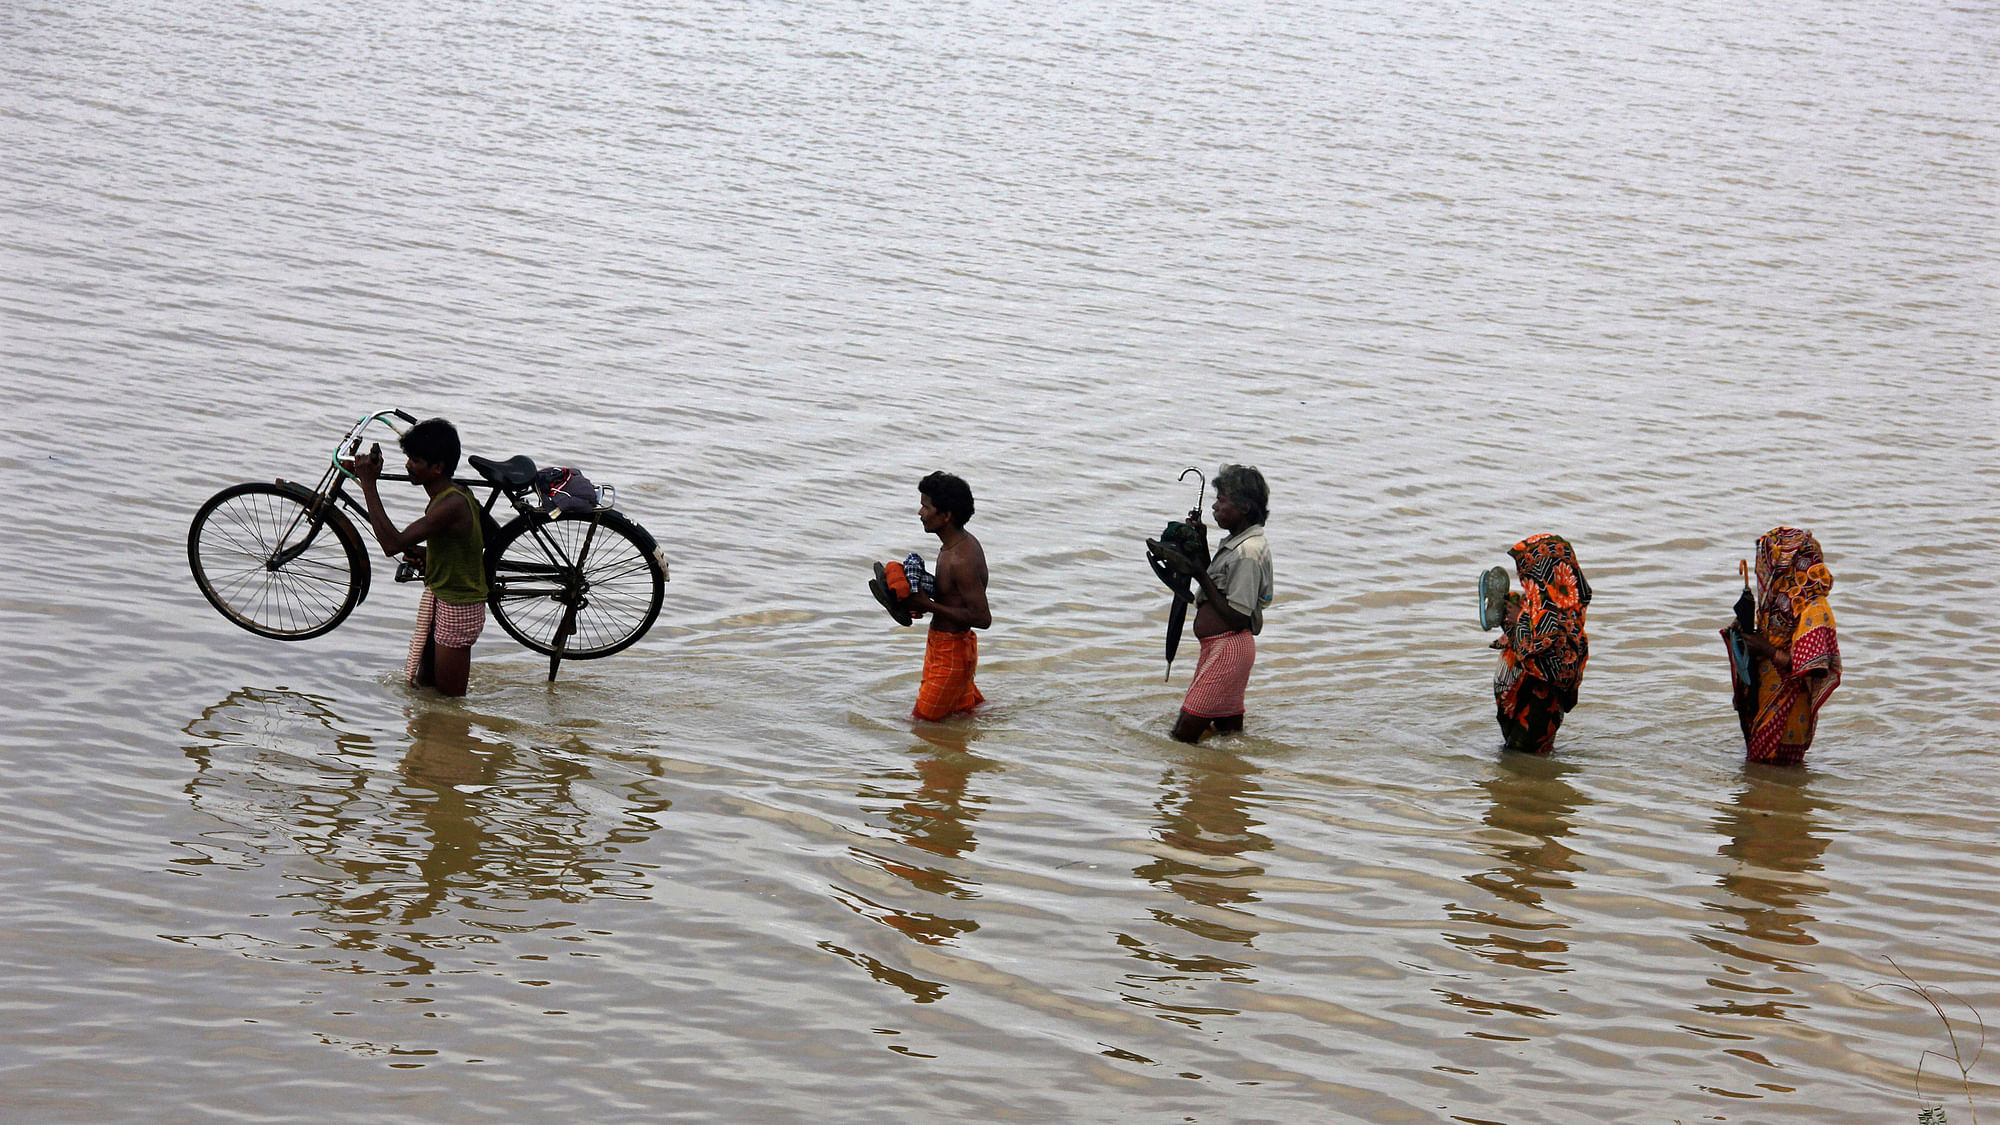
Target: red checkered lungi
[449,626]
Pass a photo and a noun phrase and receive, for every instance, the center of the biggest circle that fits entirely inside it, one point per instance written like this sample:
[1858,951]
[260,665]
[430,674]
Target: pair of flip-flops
[1493,598]
[879,586]
[1168,562]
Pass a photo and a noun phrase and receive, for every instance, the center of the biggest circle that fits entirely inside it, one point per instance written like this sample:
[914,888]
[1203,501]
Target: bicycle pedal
[409,572]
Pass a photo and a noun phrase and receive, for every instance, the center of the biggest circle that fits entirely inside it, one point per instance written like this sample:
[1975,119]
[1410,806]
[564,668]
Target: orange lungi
[949,661]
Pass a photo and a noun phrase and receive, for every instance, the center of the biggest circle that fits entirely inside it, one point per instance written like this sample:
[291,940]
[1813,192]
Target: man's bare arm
[450,517]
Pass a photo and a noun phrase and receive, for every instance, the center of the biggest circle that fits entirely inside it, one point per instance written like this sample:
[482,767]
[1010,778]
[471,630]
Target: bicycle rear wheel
[535,578]
[263,561]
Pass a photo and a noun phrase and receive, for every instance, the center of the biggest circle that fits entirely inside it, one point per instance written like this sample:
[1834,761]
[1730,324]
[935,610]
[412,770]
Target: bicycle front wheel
[261,559]
[541,568]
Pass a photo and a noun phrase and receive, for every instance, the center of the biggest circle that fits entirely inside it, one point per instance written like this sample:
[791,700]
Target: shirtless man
[951,652]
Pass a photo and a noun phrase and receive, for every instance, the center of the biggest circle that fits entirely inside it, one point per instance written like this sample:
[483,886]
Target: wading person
[447,540]
[958,605]
[1230,596]
[1794,654]
[1543,647]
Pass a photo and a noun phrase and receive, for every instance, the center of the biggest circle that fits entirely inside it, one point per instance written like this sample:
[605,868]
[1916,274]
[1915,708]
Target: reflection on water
[1519,248]
[1206,823]
[1774,843]
[1531,808]
[438,853]
[928,810]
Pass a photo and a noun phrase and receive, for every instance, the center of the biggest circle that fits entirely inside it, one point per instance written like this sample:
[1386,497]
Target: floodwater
[1656,277]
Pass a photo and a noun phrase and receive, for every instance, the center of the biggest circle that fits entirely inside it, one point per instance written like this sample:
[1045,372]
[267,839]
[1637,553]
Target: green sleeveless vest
[454,562]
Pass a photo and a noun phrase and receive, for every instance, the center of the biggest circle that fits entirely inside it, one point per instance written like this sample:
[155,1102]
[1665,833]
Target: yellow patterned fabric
[1792,613]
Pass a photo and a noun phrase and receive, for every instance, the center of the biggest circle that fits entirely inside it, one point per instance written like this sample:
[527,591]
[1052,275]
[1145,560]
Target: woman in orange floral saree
[1543,648]
[1795,655]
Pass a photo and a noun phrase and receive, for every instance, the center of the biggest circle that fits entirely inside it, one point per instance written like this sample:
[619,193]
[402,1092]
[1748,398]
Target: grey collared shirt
[1241,569]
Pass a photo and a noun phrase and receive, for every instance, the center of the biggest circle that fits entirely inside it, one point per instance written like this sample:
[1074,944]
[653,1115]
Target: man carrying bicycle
[447,540]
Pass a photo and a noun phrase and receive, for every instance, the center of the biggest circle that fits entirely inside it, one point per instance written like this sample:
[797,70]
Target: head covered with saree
[1792,579]
[1548,636]
[1792,613]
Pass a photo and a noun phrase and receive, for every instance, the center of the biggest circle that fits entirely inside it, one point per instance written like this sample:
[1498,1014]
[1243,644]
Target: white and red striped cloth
[1220,675]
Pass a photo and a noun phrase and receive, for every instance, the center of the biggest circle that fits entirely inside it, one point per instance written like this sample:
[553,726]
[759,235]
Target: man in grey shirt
[1231,595]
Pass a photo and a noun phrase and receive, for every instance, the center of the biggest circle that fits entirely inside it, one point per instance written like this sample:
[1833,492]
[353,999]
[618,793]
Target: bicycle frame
[577,583]
[331,491]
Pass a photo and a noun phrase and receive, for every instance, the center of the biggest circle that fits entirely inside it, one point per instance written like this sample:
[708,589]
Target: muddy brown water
[1656,278]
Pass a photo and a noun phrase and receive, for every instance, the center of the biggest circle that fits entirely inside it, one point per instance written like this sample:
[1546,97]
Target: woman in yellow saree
[1794,653]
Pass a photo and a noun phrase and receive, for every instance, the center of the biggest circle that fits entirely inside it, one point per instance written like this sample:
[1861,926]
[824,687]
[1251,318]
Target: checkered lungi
[1220,675]
[446,625]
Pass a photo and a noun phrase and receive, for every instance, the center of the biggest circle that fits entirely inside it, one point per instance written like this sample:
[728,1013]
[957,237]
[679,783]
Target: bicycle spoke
[543,565]
[237,537]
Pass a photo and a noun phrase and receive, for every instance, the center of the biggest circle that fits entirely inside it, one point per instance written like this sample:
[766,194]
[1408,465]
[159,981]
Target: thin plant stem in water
[1934,1114]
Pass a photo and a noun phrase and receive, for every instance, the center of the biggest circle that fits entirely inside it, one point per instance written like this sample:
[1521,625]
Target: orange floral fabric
[1548,642]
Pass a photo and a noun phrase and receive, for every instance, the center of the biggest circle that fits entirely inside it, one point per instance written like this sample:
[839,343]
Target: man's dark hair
[949,495]
[1246,489]
[434,440]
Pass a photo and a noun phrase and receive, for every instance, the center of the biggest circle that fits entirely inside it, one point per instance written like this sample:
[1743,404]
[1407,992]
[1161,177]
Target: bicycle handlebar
[349,444]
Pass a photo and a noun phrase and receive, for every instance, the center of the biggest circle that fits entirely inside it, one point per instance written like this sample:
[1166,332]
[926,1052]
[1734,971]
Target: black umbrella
[1742,669]
[1180,550]
[1746,602]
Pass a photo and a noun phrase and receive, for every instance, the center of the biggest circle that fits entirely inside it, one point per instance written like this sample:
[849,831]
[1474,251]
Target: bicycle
[283,561]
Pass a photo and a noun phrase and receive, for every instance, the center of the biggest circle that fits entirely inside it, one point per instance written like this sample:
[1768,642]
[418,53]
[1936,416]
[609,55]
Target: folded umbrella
[1173,559]
[1175,569]
[1742,669]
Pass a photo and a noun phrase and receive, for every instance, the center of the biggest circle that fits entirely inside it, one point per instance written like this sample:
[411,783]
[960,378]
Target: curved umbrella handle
[1201,498]
[1746,604]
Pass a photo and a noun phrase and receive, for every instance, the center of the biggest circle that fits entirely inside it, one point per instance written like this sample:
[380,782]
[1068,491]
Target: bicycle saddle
[515,472]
